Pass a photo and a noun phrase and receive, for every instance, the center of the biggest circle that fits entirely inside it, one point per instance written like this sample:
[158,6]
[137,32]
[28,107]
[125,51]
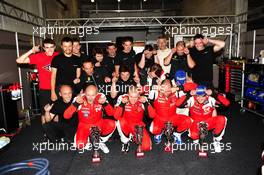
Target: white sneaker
[103,147]
[217,146]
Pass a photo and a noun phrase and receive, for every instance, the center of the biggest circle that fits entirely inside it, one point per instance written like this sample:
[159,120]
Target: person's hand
[186,51]
[35,49]
[53,96]
[193,92]
[48,107]
[107,80]
[76,80]
[145,52]
[154,52]
[142,99]
[205,41]
[102,99]
[97,64]
[115,74]
[79,99]
[114,79]
[173,50]
[209,92]
[174,89]
[136,79]
[124,99]
[159,81]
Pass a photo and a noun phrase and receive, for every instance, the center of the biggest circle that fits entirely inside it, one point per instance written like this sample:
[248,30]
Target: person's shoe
[158,138]
[217,146]
[125,147]
[177,138]
[103,147]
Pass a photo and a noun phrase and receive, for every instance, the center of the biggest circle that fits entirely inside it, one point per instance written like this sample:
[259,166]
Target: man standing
[110,58]
[203,56]
[65,68]
[42,60]
[126,58]
[162,52]
[76,49]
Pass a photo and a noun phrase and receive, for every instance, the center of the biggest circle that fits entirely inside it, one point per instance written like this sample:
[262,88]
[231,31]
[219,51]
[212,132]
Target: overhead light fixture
[118,0]
[92,0]
[144,0]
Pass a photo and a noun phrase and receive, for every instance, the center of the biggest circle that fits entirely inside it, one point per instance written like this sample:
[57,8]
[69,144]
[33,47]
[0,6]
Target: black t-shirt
[148,61]
[127,59]
[109,63]
[123,86]
[178,62]
[97,79]
[203,70]
[58,109]
[66,68]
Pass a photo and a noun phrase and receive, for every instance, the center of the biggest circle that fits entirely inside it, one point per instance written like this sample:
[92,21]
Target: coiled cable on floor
[40,164]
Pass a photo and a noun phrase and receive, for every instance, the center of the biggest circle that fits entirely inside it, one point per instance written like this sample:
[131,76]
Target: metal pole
[33,40]
[19,73]
[87,49]
[238,40]
[254,44]
[230,44]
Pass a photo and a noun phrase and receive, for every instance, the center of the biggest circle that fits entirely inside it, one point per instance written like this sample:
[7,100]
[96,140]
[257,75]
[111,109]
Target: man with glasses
[42,60]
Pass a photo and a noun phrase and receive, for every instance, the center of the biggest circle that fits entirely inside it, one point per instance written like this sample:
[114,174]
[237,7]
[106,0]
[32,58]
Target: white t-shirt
[161,54]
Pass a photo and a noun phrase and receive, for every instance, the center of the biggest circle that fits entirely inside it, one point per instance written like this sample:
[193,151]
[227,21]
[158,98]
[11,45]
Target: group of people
[118,90]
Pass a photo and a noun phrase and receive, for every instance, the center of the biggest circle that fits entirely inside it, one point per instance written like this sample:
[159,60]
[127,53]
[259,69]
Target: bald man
[129,113]
[89,107]
[54,125]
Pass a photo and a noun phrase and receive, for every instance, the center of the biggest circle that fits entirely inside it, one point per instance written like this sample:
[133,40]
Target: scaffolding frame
[158,21]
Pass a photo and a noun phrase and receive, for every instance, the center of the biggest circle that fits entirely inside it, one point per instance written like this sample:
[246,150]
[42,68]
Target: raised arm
[24,59]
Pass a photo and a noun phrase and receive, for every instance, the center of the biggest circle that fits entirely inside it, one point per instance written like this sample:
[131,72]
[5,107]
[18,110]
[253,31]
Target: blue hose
[40,164]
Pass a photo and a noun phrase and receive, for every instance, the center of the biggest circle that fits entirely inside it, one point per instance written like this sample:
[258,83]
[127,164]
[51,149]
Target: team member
[147,58]
[110,58]
[126,57]
[53,123]
[65,68]
[202,51]
[129,113]
[42,60]
[179,59]
[165,103]
[121,85]
[76,50]
[202,109]
[162,52]
[90,107]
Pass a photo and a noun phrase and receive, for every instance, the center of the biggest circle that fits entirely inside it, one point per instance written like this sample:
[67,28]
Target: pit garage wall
[8,66]
[246,44]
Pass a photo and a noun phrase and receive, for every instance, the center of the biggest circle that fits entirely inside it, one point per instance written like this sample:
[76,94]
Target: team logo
[47,68]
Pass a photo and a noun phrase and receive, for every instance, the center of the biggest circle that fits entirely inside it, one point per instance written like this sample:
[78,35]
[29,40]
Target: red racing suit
[165,110]
[91,115]
[204,112]
[129,116]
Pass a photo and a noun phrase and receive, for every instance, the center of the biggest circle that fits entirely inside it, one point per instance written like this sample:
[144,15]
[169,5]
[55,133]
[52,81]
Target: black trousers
[44,98]
[57,130]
